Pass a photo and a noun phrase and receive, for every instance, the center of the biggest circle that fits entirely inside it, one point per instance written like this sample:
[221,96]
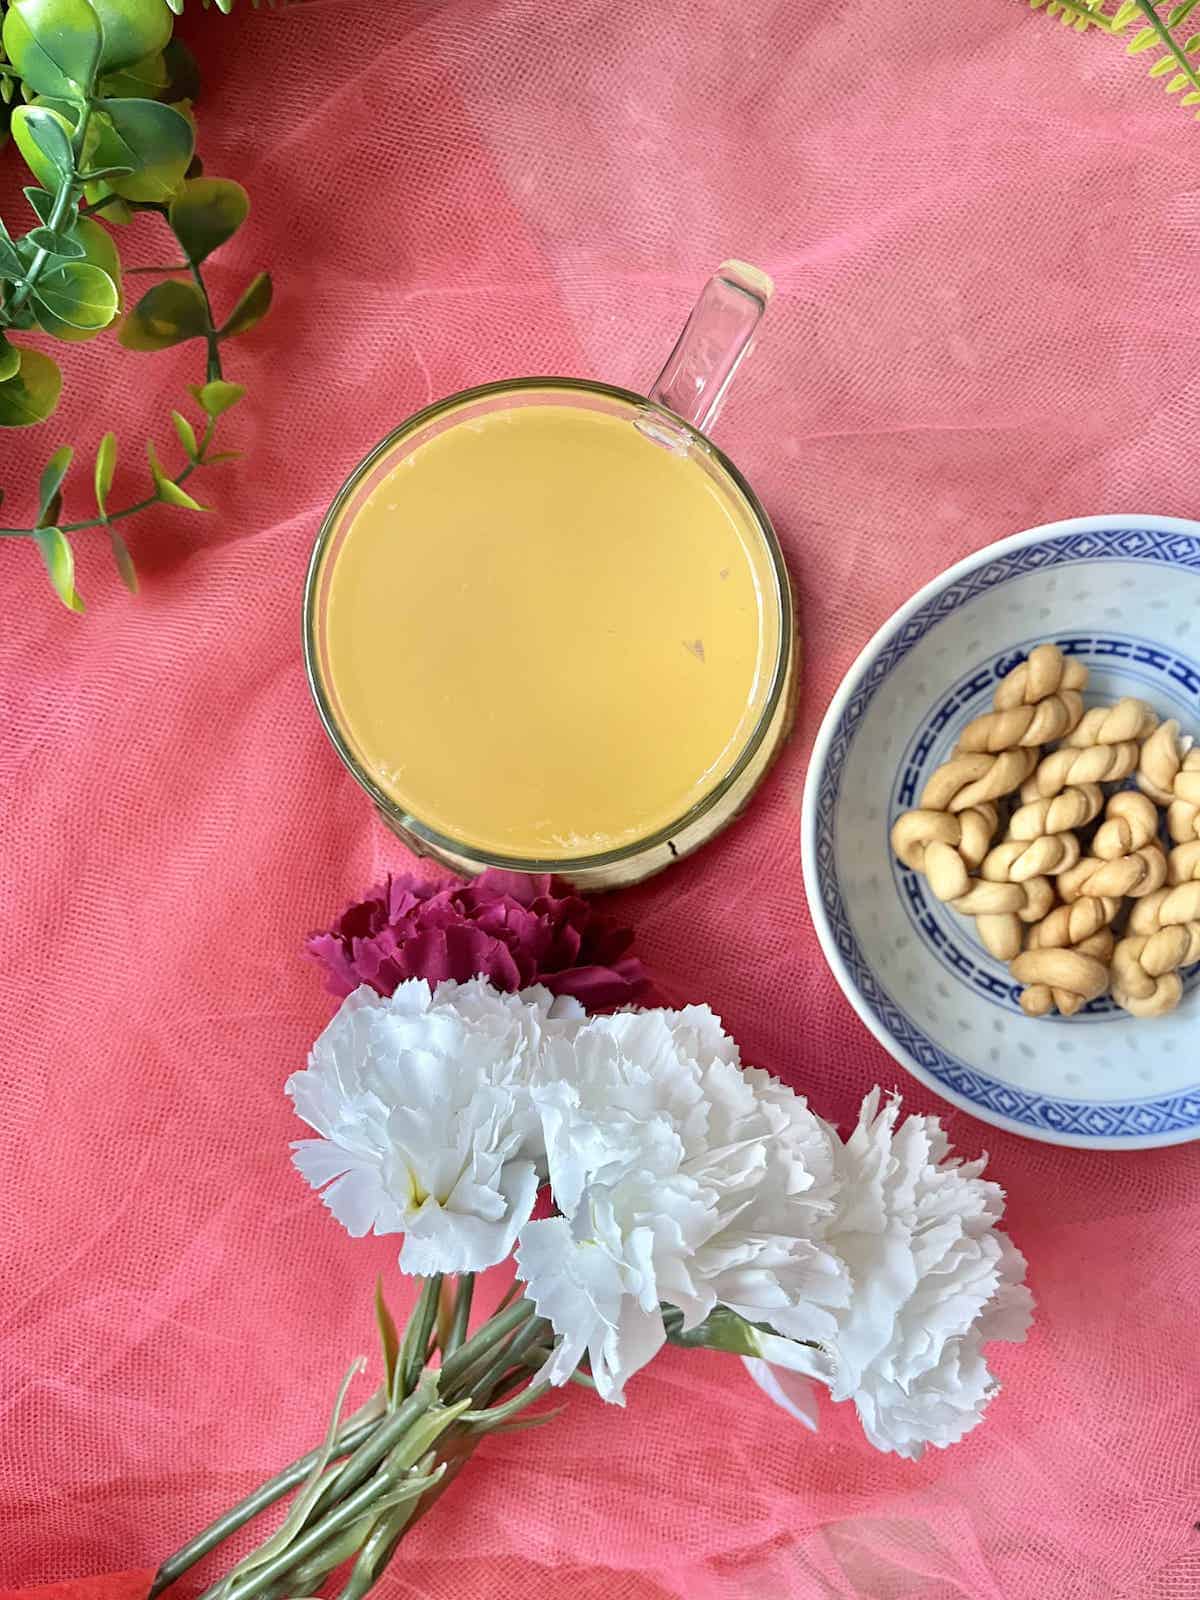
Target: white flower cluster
[678,1180]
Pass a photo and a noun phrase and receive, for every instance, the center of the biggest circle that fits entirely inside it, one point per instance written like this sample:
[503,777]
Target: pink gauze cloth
[985,233]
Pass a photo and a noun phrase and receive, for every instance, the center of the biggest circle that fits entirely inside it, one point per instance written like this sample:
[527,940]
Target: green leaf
[132,30]
[10,360]
[187,436]
[124,561]
[42,202]
[216,397]
[79,294]
[144,79]
[389,1338]
[44,140]
[32,393]
[223,455]
[251,308]
[155,140]
[106,462]
[99,249]
[71,111]
[168,314]
[51,480]
[54,45]
[60,564]
[166,488]
[11,265]
[56,244]
[205,213]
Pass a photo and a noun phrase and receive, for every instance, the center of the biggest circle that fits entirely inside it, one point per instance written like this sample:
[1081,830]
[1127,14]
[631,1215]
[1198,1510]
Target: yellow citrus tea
[547,634]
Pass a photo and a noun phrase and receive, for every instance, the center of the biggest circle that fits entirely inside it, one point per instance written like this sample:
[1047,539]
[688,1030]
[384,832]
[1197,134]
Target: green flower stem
[384,1539]
[307,1576]
[307,1543]
[496,1416]
[497,1328]
[481,1383]
[415,1345]
[373,1449]
[363,1505]
[265,1495]
[377,1551]
[67,194]
[460,1317]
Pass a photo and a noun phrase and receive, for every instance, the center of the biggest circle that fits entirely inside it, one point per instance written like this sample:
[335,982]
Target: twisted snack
[1046,828]
[1066,978]
[973,779]
[1001,909]
[1163,935]
[947,848]
[1105,747]
[1039,701]
[1126,857]
[1082,927]
[1183,863]
[948,834]
[1169,772]
[1018,860]
[1073,808]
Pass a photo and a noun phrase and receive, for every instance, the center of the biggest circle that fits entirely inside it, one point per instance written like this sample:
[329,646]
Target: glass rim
[461,848]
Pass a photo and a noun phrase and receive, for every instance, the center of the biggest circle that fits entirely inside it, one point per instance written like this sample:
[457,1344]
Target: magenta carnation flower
[513,929]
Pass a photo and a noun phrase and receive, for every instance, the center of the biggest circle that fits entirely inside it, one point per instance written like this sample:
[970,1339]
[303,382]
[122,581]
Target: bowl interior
[1125,600]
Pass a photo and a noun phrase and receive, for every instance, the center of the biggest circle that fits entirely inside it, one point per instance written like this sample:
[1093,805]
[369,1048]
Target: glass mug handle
[719,332]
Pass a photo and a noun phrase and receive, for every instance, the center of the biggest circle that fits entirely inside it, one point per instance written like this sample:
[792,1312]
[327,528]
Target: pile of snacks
[1071,884]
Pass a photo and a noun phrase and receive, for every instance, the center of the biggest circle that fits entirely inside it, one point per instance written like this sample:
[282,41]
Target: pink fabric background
[985,235]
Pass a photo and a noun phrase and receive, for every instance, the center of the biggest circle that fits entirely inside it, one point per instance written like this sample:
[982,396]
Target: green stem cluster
[68,194]
[213,374]
[444,1390]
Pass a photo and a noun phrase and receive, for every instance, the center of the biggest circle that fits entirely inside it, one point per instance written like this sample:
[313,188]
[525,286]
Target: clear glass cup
[682,402]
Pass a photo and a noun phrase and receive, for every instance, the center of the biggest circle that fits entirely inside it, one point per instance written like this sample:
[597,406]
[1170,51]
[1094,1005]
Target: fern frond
[1077,14]
[1176,59]
[1177,54]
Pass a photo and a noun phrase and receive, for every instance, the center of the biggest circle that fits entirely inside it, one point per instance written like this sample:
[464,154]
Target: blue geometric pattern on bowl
[1137,665]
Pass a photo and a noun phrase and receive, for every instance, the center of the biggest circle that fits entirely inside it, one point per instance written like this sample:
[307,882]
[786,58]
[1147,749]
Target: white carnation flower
[933,1282]
[422,1104]
[681,1180]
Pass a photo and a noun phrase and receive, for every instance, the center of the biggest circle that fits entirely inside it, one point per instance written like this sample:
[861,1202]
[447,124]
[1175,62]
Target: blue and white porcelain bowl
[1123,595]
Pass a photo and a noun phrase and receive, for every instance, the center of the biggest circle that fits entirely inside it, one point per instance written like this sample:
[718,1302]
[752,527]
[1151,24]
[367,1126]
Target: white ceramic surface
[1121,593]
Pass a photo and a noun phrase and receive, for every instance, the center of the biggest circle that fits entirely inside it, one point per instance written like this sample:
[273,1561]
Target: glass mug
[548,626]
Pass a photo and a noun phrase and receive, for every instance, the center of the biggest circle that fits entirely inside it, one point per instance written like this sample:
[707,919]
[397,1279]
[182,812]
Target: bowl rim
[849,684]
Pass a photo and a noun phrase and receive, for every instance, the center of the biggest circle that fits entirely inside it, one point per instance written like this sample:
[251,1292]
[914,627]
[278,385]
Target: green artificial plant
[1176,51]
[97,100]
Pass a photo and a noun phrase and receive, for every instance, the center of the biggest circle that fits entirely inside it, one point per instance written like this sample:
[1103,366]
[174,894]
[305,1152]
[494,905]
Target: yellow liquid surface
[547,635]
